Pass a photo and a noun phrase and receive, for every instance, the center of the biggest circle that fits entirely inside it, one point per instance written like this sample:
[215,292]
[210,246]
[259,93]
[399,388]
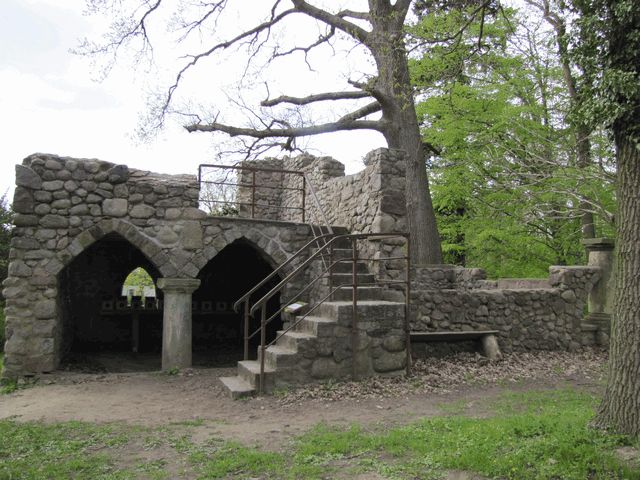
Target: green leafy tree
[507,191]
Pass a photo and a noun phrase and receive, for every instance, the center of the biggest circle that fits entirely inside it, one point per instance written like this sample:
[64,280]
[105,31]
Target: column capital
[598,244]
[178,285]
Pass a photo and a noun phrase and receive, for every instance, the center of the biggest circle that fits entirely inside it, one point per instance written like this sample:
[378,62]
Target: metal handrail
[276,289]
[275,272]
[262,302]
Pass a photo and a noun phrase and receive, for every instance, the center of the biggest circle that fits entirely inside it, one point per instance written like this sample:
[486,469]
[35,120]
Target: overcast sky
[50,103]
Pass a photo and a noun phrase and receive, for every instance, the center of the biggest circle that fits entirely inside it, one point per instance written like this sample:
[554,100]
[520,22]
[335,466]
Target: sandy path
[154,399]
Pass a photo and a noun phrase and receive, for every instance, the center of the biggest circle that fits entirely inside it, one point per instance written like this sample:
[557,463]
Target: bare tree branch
[264,26]
[352,14]
[372,107]
[346,26]
[402,7]
[320,97]
[287,132]
[321,40]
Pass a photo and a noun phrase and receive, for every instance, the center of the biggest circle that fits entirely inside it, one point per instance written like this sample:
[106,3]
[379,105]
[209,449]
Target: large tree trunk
[620,408]
[394,92]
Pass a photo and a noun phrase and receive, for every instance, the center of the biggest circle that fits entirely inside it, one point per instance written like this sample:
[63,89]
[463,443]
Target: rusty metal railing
[251,195]
[328,247]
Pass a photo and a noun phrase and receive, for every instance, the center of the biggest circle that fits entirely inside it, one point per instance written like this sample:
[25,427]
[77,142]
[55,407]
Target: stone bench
[487,338]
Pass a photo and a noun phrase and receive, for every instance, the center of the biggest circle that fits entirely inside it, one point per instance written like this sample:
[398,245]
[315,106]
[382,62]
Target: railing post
[253,194]
[304,194]
[246,329]
[263,324]
[331,257]
[354,294]
[407,307]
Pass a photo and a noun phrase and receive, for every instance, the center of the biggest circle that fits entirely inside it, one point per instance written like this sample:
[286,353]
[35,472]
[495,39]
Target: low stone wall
[453,298]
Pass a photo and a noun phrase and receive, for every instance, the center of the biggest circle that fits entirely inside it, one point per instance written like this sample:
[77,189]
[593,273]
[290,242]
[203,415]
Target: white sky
[49,102]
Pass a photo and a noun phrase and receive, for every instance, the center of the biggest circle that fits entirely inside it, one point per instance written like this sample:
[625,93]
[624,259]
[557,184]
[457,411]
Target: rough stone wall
[263,201]
[370,201]
[64,205]
[453,298]
[380,350]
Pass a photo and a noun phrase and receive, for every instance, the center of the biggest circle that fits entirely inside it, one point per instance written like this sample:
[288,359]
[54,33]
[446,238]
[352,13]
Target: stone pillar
[600,254]
[176,323]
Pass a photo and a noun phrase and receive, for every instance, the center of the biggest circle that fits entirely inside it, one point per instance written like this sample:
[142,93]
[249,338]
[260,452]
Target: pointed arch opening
[108,322]
[218,331]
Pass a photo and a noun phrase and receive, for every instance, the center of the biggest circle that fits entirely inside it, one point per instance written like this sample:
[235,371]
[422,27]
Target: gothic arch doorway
[217,329]
[105,327]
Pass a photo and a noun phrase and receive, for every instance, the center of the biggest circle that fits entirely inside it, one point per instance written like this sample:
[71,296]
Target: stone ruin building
[81,226]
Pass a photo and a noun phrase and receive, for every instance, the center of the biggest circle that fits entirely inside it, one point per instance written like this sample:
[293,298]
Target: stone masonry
[64,206]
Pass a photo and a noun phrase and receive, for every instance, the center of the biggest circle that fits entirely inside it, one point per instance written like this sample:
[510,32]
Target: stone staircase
[320,346]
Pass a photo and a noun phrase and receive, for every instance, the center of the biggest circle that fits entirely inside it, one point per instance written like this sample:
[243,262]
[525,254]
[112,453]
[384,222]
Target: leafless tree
[385,99]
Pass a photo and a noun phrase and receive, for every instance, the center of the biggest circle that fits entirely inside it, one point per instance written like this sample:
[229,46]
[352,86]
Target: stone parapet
[526,318]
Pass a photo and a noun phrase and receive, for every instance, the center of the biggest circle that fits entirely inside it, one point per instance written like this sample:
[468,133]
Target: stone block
[390,362]
[191,236]
[52,164]
[118,174]
[115,207]
[142,211]
[323,368]
[45,309]
[52,185]
[23,201]
[18,268]
[24,220]
[54,221]
[26,177]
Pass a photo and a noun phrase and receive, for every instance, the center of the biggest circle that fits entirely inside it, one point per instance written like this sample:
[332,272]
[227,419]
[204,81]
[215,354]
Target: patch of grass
[196,422]
[10,385]
[218,459]
[60,451]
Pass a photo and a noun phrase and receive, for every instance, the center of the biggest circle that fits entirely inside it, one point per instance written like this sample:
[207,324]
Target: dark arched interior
[99,327]
[217,329]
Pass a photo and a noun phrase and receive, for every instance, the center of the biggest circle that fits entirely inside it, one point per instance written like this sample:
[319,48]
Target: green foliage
[606,43]
[6,216]
[138,279]
[2,326]
[504,182]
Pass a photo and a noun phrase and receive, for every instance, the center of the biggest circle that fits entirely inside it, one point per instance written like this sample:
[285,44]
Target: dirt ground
[154,398]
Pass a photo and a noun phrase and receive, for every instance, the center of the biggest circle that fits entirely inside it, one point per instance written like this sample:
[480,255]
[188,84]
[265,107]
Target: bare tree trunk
[620,408]
[402,131]
[583,146]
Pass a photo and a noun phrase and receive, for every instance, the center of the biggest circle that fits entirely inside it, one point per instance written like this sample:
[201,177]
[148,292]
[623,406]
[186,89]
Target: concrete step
[347,278]
[346,266]
[342,253]
[237,387]
[249,371]
[295,340]
[368,310]
[277,356]
[317,326]
[364,293]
